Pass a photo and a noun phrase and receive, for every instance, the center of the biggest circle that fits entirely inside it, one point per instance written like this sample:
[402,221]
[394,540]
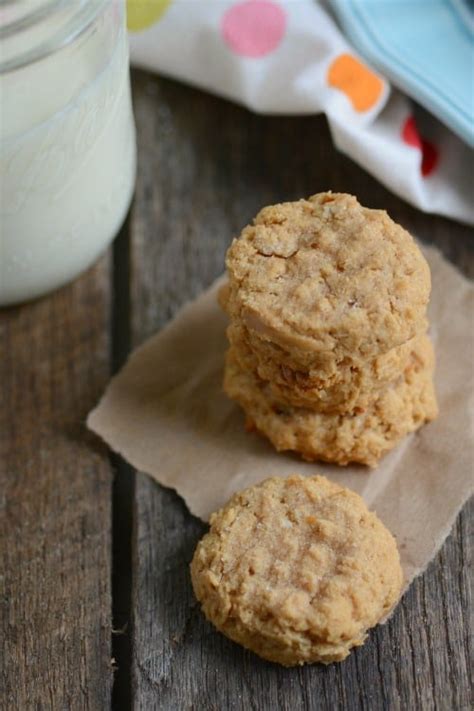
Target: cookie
[352,385]
[327,276]
[296,570]
[358,437]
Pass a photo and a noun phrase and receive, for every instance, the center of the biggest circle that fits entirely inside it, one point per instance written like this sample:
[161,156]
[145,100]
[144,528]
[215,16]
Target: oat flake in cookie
[297,570]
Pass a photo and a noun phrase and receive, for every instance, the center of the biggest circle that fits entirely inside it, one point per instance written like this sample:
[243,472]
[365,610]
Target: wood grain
[206,167]
[56,501]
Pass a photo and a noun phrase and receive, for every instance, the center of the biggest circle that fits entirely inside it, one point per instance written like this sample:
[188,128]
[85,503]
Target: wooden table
[97,603]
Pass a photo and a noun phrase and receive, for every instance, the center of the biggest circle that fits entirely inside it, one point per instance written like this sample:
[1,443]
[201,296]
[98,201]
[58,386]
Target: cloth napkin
[290,57]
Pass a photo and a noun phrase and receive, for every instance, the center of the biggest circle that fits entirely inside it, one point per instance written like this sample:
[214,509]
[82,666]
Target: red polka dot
[254,28]
[429,152]
[430,158]
[410,133]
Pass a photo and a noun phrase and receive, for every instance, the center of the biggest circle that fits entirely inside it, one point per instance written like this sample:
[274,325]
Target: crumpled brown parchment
[167,415]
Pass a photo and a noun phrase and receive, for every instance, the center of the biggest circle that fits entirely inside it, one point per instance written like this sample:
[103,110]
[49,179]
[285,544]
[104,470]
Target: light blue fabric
[425,47]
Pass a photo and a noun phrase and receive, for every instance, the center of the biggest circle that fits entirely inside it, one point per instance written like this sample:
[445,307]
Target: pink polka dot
[429,152]
[254,28]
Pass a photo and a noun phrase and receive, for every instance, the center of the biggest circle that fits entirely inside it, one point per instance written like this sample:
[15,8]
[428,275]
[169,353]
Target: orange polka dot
[361,86]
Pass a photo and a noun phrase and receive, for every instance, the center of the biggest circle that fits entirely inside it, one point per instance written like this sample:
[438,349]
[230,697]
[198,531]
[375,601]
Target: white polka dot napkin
[289,57]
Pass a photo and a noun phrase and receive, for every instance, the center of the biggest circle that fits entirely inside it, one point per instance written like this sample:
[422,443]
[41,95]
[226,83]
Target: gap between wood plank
[123,488]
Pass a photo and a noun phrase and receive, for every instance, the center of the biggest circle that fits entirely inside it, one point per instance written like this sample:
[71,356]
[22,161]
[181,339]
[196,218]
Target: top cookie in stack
[329,354]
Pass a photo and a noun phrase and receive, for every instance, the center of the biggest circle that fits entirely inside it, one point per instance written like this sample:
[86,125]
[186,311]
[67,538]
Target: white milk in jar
[67,141]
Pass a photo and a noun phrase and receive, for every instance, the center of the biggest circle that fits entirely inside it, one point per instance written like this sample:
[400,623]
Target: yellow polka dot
[361,86]
[144,13]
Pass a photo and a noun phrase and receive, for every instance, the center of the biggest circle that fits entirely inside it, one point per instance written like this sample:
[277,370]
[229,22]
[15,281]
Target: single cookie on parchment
[296,570]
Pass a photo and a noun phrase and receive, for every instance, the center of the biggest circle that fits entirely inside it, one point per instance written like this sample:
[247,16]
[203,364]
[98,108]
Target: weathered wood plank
[56,501]
[206,167]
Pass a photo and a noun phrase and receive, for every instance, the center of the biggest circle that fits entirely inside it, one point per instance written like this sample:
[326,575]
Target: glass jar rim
[71,20]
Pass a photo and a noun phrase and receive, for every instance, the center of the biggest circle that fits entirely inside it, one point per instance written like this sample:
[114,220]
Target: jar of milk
[67,140]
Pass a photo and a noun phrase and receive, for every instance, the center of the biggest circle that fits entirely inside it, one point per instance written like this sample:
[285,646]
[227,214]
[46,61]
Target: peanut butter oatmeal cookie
[355,437]
[327,276]
[296,570]
[352,385]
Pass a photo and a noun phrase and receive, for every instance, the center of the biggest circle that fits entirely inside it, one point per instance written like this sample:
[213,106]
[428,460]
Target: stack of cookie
[328,354]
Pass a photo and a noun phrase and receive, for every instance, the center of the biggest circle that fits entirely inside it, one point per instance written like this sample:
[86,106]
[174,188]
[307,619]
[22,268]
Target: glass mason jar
[67,139]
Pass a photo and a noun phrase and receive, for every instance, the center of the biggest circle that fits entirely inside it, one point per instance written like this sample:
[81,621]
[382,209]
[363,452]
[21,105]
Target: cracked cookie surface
[297,570]
[327,276]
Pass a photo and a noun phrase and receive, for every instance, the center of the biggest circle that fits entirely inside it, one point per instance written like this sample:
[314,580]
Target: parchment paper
[167,415]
